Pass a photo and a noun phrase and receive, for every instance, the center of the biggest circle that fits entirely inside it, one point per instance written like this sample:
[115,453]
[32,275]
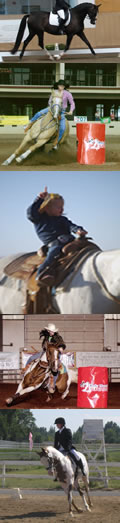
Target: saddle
[39,294]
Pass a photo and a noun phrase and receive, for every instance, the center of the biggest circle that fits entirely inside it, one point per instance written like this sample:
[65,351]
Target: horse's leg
[81,492]
[41,44]
[67,389]
[79,510]
[70,488]
[68,42]
[22,145]
[88,491]
[17,151]
[26,42]
[83,37]
[30,150]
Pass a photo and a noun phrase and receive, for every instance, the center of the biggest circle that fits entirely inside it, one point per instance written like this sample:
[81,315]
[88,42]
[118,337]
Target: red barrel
[91,143]
[92,387]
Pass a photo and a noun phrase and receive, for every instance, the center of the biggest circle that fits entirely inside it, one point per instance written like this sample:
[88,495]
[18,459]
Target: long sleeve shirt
[66,98]
[49,228]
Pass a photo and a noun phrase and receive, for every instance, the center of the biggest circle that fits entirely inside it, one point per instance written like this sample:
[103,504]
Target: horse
[68,474]
[39,22]
[92,288]
[65,375]
[36,375]
[42,131]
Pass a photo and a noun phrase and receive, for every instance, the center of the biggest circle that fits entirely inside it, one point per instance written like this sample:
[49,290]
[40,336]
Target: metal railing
[30,78]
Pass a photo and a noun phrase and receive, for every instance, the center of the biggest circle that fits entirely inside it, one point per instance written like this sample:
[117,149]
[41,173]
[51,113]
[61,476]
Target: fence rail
[5,475]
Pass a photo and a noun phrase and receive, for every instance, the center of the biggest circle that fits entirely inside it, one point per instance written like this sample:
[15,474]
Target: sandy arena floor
[37,399]
[53,508]
[41,161]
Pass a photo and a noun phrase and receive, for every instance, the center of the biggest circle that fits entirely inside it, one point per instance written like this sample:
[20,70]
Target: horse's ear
[98,5]
[44,450]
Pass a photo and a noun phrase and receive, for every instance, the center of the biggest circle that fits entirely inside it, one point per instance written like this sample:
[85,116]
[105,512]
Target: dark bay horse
[38,23]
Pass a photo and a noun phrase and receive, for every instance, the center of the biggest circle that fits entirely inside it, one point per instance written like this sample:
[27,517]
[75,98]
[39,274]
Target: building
[25,88]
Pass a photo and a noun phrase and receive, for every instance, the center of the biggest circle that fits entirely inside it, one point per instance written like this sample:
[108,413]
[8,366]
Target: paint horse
[67,474]
[42,131]
[65,375]
[36,375]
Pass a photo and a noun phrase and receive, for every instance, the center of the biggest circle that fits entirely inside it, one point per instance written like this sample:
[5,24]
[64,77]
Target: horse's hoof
[48,399]
[9,402]
[18,160]
[5,163]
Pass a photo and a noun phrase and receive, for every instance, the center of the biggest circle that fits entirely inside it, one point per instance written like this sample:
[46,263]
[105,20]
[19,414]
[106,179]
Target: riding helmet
[59,420]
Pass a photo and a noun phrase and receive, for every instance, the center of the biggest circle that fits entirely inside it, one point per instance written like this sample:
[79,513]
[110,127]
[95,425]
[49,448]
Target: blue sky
[91,200]
[74,418]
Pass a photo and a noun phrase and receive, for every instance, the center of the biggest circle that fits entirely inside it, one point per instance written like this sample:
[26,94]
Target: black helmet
[59,420]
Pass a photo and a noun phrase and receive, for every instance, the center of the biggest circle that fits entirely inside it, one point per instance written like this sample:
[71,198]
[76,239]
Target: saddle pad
[54,19]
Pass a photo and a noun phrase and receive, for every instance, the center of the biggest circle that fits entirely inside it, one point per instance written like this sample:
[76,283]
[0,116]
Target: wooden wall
[80,332]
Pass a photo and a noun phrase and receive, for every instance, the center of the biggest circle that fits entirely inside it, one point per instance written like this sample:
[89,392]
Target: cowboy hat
[48,199]
[51,327]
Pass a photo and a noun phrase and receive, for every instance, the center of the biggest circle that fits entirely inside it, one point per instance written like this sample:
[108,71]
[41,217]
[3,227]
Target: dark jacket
[48,228]
[61,4]
[65,439]
[56,339]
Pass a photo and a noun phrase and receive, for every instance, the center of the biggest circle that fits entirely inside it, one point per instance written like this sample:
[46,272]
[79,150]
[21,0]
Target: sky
[74,418]
[91,200]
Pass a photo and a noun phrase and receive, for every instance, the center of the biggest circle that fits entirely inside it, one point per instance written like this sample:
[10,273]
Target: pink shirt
[67,97]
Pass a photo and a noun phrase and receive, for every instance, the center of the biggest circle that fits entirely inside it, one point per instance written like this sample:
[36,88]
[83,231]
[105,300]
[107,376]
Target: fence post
[3,475]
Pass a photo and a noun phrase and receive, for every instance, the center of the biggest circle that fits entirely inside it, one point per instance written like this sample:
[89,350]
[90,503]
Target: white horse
[68,474]
[92,288]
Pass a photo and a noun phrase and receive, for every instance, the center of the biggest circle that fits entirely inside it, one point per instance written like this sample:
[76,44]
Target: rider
[67,98]
[61,5]
[63,443]
[52,226]
[50,334]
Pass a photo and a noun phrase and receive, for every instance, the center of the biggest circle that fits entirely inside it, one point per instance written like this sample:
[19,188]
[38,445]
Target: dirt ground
[42,161]
[53,508]
[37,399]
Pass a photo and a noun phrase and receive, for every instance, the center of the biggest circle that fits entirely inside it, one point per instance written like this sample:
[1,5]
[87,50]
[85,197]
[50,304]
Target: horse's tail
[20,34]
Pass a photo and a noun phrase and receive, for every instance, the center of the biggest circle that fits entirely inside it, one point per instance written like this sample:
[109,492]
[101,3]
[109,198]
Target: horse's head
[92,12]
[56,103]
[46,459]
[52,356]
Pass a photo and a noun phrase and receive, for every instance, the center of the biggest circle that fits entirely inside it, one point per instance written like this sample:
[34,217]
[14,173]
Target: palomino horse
[36,375]
[42,131]
[39,22]
[67,474]
[65,375]
[92,288]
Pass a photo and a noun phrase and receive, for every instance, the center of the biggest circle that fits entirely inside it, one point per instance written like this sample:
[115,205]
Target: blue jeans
[54,251]
[61,123]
